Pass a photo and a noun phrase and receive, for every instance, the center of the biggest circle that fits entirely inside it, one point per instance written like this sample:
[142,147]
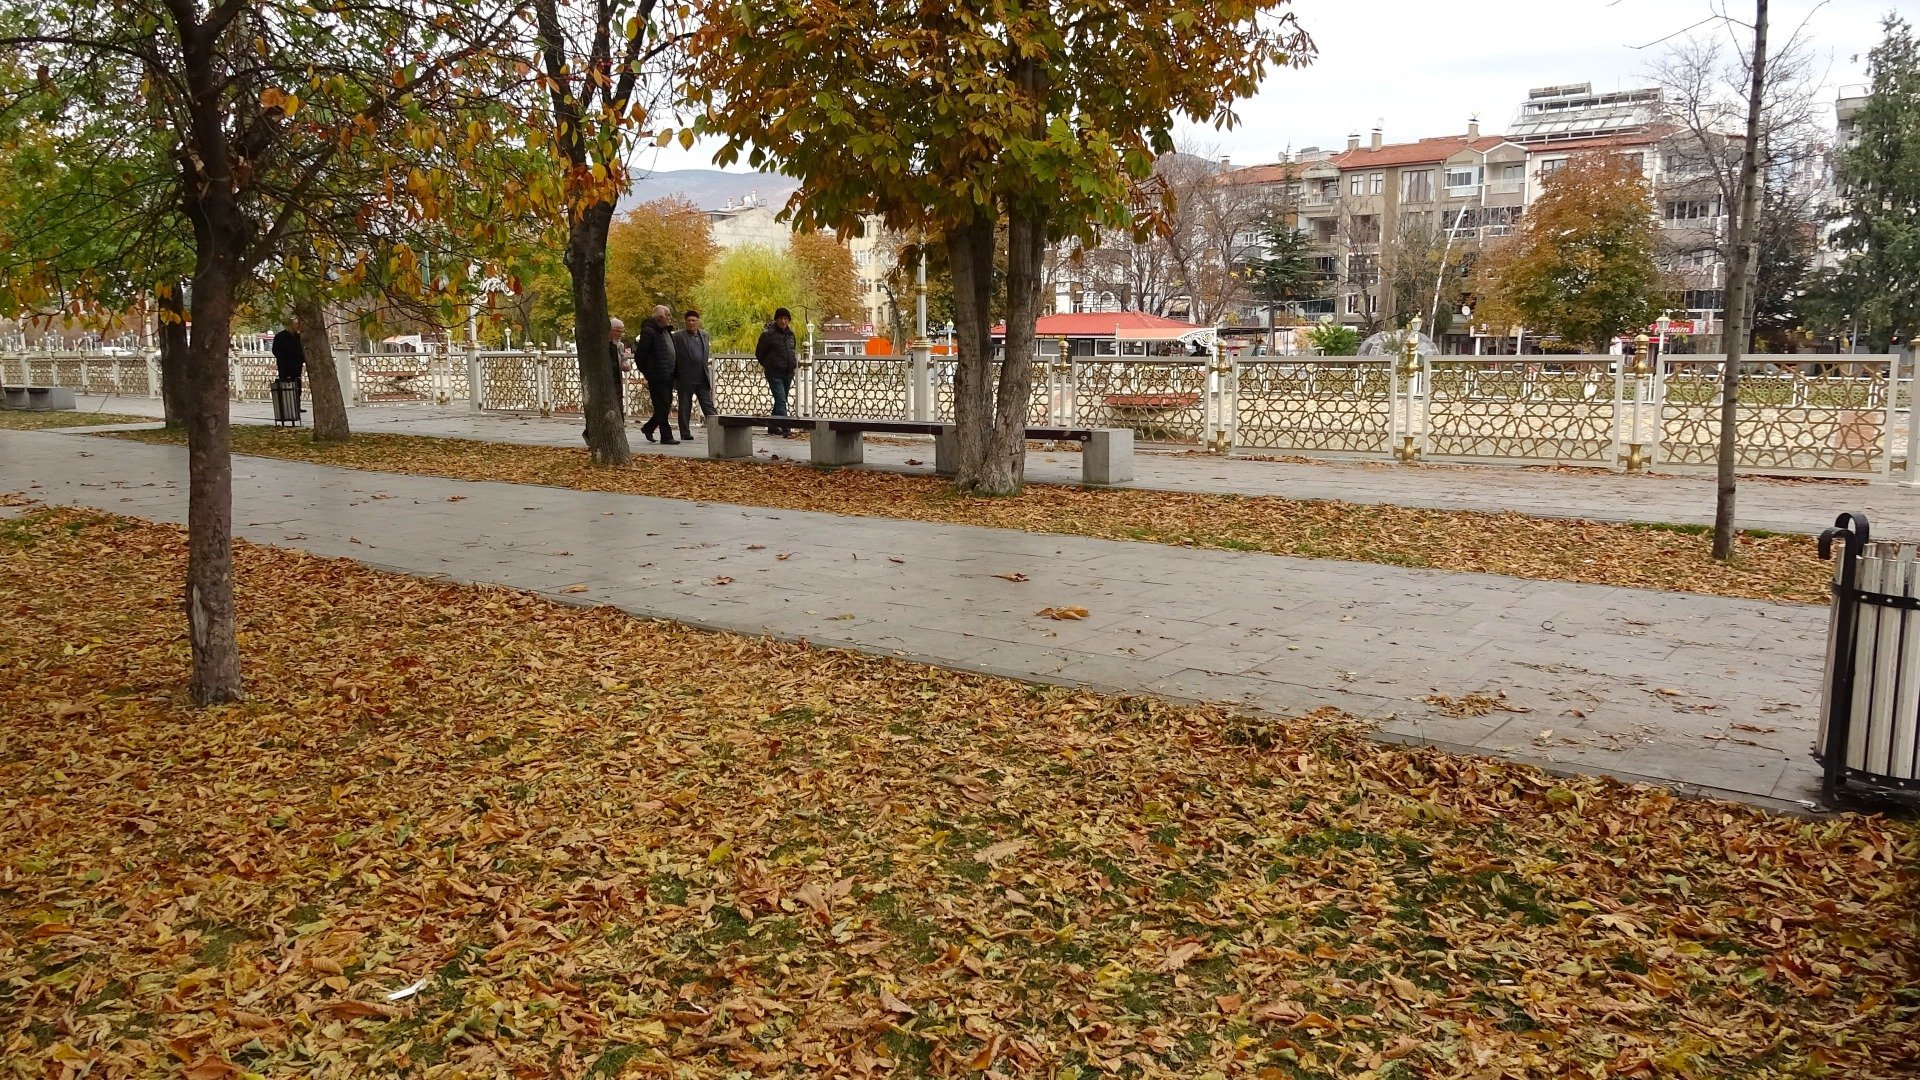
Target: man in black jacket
[779,358]
[655,354]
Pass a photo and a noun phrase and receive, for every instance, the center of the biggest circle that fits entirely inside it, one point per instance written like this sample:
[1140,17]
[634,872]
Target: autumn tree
[827,275]
[944,120]
[1582,265]
[657,253]
[255,105]
[604,70]
[742,289]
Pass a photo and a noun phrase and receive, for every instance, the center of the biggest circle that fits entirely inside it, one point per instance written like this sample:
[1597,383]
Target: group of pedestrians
[678,362]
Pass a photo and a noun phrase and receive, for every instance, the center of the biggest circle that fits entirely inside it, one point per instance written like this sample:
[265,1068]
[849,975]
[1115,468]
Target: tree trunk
[1002,466]
[1739,284]
[203,389]
[600,385]
[323,375]
[970,252]
[173,354]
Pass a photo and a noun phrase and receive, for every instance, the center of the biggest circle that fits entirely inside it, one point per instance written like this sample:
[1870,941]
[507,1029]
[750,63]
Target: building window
[1358,185]
[1416,186]
[1702,300]
[1326,267]
[1379,183]
[1692,209]
[1361,269]
[1353,303]
[1552,165]
[1462,178]
[1366,229]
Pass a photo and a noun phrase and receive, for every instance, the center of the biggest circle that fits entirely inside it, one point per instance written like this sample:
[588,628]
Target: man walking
[622,363]
[289,359]
[654,354]
[780,360]
[690,375]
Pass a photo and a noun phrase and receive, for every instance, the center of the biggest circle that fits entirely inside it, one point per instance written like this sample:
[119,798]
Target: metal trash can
[1870,709]
[286,401]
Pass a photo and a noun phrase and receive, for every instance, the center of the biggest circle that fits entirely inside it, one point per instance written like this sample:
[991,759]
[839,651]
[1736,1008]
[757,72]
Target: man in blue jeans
[780,360]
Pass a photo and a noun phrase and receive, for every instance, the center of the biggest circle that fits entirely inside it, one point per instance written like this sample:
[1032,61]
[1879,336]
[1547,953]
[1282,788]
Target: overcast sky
[1421,69]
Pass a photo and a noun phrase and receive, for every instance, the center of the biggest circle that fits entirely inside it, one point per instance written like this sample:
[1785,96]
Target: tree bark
[323,375]
[203,392]
[1003,459]
[970,253]
[173,354]
[600,389]
[1739,284]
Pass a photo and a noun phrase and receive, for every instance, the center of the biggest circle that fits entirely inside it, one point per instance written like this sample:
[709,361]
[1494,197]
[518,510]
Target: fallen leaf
[574,589]
[1014,576]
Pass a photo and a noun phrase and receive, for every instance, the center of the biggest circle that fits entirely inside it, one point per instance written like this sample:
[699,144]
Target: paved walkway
[1704,693]
[1793,506]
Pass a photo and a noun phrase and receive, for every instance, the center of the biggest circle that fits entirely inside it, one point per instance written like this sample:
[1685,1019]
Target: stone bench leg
[17,397]
[1108,457]
[946,454]
[725,441]
[51,399]
[837,447]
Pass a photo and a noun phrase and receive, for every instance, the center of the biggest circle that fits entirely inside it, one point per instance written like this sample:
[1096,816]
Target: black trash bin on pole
[286,401]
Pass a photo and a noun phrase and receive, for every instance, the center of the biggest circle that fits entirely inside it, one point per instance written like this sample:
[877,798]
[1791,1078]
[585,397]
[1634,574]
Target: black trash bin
[286,401]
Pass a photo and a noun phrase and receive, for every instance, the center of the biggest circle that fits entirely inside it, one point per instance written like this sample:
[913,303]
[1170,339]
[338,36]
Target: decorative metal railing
[1801,414]
[1314,404]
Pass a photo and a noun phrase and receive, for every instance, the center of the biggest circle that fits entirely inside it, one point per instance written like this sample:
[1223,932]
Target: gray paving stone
[1266,632]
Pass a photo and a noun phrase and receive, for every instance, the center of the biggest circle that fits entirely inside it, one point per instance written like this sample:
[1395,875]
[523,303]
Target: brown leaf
[893,1004]
[1014,576]
[574,589]
[211,1067]
[721,580]
[1181,955]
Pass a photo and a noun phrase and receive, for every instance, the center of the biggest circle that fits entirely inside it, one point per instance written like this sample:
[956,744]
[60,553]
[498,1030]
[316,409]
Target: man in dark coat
[289,360]
[691,350]
[779,358]
[654,354]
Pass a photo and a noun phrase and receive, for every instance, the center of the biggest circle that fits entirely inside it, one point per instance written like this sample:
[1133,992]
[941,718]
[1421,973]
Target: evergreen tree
[1880,181]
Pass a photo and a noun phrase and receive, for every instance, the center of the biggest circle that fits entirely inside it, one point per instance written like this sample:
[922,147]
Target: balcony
[1465,191]
[1506,187]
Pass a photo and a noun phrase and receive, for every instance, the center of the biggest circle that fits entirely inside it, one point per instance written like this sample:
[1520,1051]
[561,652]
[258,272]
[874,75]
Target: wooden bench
[1107,457]
[41,398]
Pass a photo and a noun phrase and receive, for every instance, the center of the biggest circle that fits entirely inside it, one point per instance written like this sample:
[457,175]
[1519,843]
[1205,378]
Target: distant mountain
[711,189]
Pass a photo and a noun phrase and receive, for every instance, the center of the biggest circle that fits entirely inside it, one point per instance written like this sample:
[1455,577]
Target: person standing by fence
[622,361]
[654,354]
[779,358]
[289,361]
[691,376]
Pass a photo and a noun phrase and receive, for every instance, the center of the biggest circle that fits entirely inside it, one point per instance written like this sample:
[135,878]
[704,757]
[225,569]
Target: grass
[23,420]
[595,872]
[1765,567]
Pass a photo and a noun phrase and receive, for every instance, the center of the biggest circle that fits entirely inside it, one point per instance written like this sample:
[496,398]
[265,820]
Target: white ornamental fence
[1811,415]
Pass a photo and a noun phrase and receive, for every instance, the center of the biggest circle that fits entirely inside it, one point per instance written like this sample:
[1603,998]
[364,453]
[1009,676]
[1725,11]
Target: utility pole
[1739,285]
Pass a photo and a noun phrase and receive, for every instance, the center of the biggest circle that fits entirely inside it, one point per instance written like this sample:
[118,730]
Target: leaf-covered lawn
[465,832]
[22,420]
[1767,567]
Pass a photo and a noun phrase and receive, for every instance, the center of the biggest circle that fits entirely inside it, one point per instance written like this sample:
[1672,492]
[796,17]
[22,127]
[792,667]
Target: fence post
[153,375]
[476,391]
[1640,369]
[348,367]
[1912,478]
[1407,374]
[542,382]
[920,381]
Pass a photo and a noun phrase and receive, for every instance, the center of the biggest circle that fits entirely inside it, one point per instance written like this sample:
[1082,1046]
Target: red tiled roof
[1100,324]
[1413,153]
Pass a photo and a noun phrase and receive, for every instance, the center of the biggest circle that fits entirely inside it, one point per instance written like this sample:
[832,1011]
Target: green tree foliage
[1286,272]
[1333,339]
[741,290]
[657,253]
[1582,267]
[945,119]
[1880,181]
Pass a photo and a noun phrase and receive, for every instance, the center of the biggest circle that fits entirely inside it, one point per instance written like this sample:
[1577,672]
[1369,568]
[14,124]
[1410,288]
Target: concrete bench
[1107,457]
[41,398]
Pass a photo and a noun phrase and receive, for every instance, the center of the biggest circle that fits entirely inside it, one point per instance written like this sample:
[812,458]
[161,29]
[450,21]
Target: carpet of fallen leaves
[464,832]
[22,420]
[1767,567]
